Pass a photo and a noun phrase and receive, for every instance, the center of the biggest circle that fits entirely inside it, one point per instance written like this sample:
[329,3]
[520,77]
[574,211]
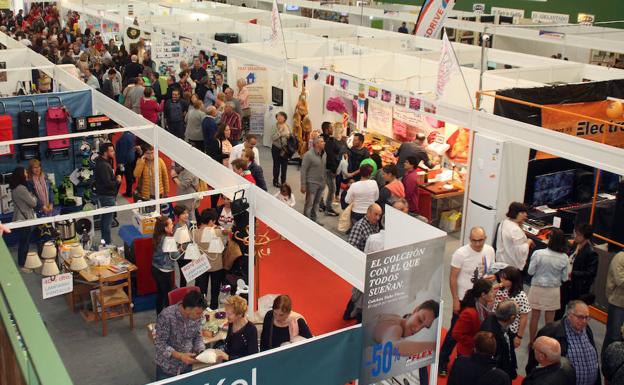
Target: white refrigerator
[486,175]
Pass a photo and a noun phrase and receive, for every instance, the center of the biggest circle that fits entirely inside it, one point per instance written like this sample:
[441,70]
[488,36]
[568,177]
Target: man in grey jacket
[313,177]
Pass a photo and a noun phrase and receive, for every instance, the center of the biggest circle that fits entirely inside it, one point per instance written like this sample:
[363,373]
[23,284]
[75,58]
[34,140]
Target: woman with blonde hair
[242,336]
[41,186]
[282,325]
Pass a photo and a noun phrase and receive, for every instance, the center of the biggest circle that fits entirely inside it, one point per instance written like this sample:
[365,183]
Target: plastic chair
[176,296]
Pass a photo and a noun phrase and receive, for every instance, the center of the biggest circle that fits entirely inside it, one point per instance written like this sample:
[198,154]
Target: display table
[434,199]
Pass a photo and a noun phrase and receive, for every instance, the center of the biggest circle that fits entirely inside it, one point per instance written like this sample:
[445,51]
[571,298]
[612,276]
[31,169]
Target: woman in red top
[150,107]
[475,307]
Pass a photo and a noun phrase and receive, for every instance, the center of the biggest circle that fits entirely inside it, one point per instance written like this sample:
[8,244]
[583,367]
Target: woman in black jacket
[282,325]
[584,261]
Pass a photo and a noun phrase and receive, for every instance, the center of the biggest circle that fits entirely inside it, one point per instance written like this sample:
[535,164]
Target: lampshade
[192,251]
[182,235]
[78,263]
[32,261]
[48,251]
[49,268]
[208,235]
[169,245]
[76,250]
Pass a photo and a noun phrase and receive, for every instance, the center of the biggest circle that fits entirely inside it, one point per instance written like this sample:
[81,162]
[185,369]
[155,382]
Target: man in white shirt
[469,262]
[250,142]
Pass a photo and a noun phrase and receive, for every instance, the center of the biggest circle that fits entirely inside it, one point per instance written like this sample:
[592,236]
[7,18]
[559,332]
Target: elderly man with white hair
[132,70]
[553,369]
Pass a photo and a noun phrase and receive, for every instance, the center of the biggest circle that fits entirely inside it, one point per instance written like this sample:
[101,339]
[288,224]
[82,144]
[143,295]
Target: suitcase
[28,127]
[56,119]
[27,121]
[6,132]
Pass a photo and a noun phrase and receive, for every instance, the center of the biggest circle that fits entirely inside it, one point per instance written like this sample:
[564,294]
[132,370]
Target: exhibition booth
[351,87]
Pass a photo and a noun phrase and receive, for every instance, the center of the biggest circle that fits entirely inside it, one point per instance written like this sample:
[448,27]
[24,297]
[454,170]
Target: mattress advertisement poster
[401,309]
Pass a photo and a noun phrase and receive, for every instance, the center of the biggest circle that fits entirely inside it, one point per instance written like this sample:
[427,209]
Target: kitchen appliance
[498,171]
[66,229]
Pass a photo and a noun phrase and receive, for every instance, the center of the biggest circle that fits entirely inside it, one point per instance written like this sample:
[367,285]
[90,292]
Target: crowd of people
[492,313]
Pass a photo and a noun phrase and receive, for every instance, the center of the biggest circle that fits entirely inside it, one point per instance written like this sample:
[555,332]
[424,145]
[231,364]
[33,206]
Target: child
[285,195]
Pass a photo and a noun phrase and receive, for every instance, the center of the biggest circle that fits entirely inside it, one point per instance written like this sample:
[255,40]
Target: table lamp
[76,250]
[169,245]
[182,235]
[48,251]
[78,263]
[49,268]
[32,261]
[192,251]
[208,235]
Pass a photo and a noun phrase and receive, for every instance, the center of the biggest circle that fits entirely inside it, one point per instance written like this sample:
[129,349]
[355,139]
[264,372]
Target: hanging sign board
[547,17]
[509,12]
[379,117]
[196,268]
[57,285]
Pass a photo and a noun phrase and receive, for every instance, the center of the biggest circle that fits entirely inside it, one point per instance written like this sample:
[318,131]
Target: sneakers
[322,207]
[330,212]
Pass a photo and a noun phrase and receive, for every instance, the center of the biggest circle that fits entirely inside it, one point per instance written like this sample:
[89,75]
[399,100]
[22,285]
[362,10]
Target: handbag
[231,253]
[344,219]
[292,145]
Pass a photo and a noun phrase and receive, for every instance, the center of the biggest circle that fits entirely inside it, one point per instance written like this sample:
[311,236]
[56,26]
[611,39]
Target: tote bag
[344,220]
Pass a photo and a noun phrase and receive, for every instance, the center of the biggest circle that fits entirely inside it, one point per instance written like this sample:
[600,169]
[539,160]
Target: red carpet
[317,293]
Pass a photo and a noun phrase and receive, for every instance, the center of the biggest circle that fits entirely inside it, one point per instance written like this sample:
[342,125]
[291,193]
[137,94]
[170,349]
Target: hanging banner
[196,268]
[547,17]
[432,15]
[584,128]
[329,359]
[379,118]
[400,311]
[256,79]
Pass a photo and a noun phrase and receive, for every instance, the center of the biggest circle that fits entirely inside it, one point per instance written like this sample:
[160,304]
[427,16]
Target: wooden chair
[112,294]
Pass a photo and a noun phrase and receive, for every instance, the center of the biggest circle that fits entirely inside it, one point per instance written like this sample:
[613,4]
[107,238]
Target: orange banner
[584,128]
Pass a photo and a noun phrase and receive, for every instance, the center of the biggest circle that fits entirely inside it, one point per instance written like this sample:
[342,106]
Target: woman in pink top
[243,94]
[150,107]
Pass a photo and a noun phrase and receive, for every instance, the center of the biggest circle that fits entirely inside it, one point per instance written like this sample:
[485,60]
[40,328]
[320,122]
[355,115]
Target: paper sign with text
[196,268]
[57,285]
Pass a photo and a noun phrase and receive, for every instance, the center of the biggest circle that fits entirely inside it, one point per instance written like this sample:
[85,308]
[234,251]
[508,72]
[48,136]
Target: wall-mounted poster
[379,118]
[256,81]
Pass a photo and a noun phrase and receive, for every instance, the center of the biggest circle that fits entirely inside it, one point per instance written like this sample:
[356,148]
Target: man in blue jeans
[106,186]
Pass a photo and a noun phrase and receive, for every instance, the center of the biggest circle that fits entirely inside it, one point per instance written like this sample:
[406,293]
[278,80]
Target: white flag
[276,25]
[448,66]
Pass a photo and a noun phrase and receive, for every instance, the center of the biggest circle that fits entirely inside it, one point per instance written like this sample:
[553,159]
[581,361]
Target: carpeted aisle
[317,293]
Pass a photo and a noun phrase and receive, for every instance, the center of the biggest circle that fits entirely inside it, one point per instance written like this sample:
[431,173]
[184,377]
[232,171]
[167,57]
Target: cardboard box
[450,221]
[144,222]
[6,201]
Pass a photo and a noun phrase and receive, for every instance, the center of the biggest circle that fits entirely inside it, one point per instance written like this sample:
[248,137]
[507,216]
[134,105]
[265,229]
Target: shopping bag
[344,220]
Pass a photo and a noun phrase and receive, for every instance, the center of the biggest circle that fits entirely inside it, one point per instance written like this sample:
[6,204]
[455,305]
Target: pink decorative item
[336,104]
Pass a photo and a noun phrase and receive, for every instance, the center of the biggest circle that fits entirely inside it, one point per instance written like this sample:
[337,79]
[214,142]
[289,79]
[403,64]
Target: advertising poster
[166,53]
[256,80]
[405,123]
[584,128]
[401,309]
[380,118]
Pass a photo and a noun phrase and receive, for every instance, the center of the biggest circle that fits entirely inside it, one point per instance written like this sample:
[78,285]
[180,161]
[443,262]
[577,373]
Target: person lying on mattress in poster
[397,328]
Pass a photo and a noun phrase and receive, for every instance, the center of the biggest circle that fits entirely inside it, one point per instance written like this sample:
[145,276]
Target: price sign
[57,285]
[196,268]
